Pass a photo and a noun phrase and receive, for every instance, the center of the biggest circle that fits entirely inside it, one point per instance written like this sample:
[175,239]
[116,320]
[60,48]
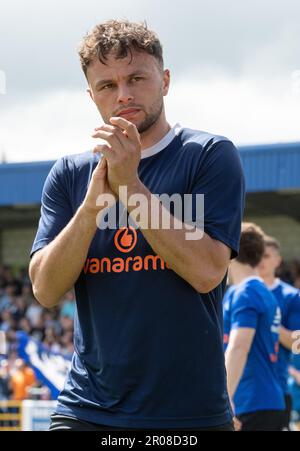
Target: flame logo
[125,239]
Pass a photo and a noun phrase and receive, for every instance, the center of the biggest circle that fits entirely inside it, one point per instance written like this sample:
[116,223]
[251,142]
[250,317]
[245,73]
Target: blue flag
[49,367]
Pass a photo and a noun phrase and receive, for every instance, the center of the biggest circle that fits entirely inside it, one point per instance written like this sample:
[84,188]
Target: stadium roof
[272,167]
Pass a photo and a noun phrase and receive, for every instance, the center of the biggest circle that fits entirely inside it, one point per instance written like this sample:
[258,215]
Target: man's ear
[166,82]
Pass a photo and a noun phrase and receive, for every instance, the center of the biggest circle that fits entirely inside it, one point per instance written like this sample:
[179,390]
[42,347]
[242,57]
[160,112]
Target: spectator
[294,371]
[8,297]
[68,305]
[21,380]
[24,324]
[27,293]
[19,308]
[7,321]
[5,388]
[33,313]
[51,340]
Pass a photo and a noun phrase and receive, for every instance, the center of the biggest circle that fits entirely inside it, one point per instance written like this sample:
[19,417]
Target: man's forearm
[193,260]
[55,268]
[236,359]
[286,338]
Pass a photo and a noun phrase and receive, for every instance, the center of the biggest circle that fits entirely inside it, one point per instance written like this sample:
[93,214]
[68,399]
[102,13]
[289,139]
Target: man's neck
[242,272]
[155,133]
[269,280]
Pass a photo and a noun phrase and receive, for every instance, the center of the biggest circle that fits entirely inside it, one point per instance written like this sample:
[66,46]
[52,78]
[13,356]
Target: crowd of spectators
[19,311]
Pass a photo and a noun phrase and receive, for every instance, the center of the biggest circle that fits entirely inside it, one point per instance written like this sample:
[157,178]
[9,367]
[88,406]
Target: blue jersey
[251,305]
[294,387]
[148,346]
[226,316]
[288,299]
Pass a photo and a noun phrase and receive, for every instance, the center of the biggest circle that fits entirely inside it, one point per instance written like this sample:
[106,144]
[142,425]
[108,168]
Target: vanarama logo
[125,241]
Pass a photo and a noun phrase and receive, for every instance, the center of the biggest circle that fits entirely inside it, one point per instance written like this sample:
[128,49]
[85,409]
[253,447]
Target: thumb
[102,163]
[100,170]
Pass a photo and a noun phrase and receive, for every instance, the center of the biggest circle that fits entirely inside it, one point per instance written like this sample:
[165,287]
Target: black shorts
[264,420]
[65,423]
[287,412]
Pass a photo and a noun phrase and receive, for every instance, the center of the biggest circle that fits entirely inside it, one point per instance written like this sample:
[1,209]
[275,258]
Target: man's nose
[124,94]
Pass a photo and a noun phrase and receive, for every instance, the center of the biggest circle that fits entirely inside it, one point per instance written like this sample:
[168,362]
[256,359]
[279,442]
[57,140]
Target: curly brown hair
[252,244]
[120,38]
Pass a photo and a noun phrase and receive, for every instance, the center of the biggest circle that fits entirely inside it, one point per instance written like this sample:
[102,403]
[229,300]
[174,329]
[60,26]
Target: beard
[152,116]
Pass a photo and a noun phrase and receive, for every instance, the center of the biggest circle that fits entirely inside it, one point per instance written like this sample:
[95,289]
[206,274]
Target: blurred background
[235,71]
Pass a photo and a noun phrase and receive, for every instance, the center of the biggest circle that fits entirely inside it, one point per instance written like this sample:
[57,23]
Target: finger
[110,129]
[101,147]
[100,169]
[102,164]
[110,137]
[107,152]
[127,126]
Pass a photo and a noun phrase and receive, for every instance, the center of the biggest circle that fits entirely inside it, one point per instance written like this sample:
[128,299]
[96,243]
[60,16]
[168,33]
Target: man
[251,333]
[22,380]
[148,330]
[288,299]
[294,386]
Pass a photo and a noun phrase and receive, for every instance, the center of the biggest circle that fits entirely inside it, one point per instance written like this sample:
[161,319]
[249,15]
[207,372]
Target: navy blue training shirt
[148,346]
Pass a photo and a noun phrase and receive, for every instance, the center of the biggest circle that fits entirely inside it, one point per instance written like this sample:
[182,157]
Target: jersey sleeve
[245,311]
[220,179]
[293,319]
[56,209]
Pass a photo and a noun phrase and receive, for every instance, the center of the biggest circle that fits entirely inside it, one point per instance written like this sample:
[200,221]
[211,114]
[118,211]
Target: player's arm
[295,374]
[240,342]
[55,268]
[286,338]
[202,262]
[288,334]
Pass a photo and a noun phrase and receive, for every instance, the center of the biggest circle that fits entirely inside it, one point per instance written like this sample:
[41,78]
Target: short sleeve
[245,311]
[293,318]
[220,178]
[56,209]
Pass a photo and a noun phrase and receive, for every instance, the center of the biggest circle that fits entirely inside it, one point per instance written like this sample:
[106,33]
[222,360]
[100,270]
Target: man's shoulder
[288,296]
[251,292]
[203,138]
[287,289]
[76,162]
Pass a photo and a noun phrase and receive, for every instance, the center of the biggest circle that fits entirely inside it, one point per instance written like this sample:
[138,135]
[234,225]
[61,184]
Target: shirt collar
[163,143]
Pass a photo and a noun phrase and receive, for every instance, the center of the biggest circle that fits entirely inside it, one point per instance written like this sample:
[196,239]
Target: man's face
[270,262]
[132,90]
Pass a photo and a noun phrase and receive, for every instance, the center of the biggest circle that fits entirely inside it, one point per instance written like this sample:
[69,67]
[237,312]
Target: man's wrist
[136,187]
[88,215]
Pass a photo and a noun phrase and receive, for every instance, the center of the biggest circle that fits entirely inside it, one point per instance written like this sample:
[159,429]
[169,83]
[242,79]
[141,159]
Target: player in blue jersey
[288,299]
[251,334]
[148,325]
[294,387]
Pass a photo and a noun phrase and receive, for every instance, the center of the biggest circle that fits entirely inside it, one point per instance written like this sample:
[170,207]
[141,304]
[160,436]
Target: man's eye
[136,78]
[109,86]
